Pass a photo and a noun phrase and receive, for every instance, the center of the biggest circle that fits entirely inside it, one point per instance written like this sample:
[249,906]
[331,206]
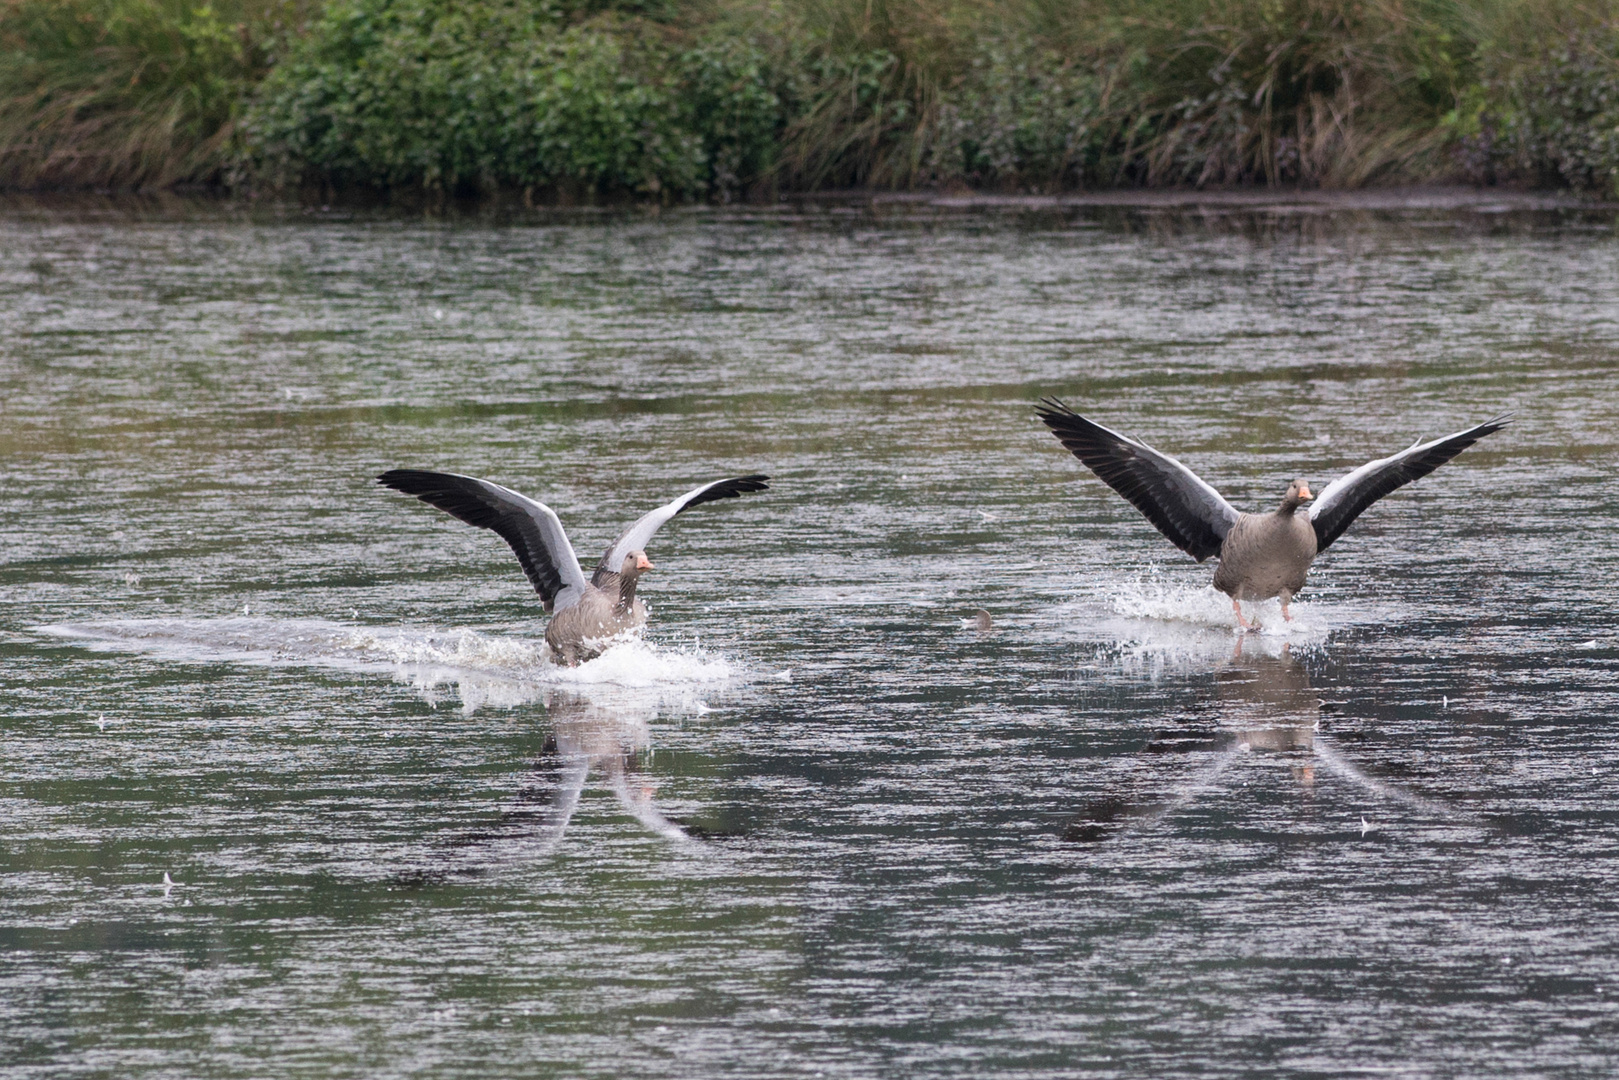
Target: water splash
[486,670]
[1144,601]
[1150,629]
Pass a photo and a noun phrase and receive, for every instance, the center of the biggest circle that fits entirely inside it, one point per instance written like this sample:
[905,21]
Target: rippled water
[290,787]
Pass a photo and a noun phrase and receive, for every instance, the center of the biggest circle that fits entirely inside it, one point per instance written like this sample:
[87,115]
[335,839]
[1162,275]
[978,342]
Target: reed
[126,93]
[1151,92]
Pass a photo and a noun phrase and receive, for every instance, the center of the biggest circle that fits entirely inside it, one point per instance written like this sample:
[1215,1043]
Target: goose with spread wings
[584,614]
[1261,555]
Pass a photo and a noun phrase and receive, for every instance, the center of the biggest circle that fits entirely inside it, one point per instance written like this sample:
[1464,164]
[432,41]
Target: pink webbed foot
[1236,606]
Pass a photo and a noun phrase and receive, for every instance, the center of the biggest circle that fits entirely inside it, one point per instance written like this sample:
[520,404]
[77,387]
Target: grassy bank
[679,99]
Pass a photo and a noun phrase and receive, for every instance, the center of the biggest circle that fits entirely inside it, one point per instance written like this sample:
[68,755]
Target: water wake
[1393,792]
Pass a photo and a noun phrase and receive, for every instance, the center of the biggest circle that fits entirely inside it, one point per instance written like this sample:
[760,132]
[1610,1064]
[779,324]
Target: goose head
[1298,493]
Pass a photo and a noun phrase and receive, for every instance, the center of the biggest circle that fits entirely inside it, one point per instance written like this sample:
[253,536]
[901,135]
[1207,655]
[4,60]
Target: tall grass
[125,92]
[1061,93]
[1327,92]
[1321,92]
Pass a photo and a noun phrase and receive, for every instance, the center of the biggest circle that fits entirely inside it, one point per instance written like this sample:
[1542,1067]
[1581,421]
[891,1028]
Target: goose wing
[636,537]
[1184,508]
[531,528]
[1342,501]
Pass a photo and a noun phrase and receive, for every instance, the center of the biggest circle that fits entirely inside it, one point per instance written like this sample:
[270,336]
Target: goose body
[604,610]
[585,614]
[1261,555]
[1266,555]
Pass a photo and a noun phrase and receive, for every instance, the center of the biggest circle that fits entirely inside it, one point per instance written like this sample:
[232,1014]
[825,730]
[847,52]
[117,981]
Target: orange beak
[1304,492]
[642,563]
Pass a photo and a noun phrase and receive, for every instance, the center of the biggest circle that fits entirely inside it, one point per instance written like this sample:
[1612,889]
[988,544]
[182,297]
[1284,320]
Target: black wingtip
[1058,417]
[739,485]
[1051,406]
[1488,427]
[1074,429]
[410,481]
[729,488]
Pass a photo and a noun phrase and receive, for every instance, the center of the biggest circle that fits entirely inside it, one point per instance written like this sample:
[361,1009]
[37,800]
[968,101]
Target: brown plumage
[1261,555]
[606,608]
[1266,555]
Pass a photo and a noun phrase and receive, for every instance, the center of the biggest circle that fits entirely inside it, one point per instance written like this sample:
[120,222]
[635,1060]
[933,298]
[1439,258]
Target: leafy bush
[448,95]
[727,89]
[1022,117]
[1558,116]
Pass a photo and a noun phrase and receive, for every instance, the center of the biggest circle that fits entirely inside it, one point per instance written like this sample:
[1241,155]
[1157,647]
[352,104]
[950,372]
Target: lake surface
[290,787]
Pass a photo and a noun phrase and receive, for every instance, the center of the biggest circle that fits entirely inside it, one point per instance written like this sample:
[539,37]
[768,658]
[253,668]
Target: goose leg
[1236,605]
[1287,598]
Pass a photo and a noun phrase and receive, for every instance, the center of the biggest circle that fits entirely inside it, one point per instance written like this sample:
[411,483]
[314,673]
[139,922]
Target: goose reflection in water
[1264,702]
[589,738]
[1269,704]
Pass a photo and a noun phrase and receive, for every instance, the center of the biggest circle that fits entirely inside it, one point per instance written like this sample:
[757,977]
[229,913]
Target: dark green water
[815,823]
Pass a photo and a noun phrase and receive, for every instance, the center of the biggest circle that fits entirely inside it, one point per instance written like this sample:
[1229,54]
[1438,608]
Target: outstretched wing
[531,528]
[1192,514]
[1342,501]
[635,538]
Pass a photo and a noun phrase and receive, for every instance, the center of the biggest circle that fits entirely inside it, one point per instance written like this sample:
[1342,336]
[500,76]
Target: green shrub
[728,92]
[1557,117]
[448,95]
[445,95]
[1022,117]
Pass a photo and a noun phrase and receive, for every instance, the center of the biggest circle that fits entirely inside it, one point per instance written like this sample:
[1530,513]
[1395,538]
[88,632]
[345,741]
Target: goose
[1261,555]
[584,614]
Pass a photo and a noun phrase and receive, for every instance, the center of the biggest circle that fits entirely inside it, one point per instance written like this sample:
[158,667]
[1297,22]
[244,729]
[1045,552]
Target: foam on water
[1153,628]
[486,670]
[1143,601]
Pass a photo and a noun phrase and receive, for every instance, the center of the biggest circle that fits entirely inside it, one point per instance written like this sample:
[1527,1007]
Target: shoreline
[1439,199]
[1405,197]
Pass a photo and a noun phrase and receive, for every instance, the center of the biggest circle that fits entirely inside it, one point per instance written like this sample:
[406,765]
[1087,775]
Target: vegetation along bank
[719,99]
